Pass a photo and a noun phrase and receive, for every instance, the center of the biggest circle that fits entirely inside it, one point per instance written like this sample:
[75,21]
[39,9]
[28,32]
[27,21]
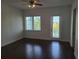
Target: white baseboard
[65,41]
[38,38]
[2,45]
[76,57]
[42,38]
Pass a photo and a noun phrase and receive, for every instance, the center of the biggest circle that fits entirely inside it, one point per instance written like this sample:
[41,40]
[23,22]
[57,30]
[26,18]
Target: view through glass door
[55,26]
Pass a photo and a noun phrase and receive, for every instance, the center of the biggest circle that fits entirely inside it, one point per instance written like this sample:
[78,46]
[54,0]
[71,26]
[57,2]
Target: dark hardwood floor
[37,49]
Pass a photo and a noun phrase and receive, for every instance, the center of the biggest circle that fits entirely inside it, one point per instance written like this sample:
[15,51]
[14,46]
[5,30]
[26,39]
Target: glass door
[55,26]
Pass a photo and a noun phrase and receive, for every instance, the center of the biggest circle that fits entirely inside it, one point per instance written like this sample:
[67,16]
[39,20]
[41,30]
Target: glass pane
[37,23]
[28,23]
[56,26]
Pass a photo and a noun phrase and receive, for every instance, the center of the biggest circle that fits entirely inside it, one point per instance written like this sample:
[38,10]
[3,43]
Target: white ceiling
[46,3]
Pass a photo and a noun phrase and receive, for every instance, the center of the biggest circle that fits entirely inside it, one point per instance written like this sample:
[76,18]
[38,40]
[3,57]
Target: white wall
[74,5]
[63,11]
[11,22]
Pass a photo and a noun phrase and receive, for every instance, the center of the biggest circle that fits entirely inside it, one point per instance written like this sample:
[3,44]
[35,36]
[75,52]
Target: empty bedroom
[39,29]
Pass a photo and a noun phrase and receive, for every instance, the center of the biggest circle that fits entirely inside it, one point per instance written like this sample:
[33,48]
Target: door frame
[74,28]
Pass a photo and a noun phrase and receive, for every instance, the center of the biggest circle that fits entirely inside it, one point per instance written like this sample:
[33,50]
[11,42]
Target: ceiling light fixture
[32,6]
[34,3]
[29,6]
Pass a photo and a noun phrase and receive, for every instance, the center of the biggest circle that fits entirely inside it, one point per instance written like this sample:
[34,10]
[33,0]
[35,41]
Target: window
[28,23]
[33,23]
[37,23]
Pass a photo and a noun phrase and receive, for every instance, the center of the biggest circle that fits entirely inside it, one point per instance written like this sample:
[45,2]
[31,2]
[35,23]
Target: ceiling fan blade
[38,4]
[24,0]
[37,0]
